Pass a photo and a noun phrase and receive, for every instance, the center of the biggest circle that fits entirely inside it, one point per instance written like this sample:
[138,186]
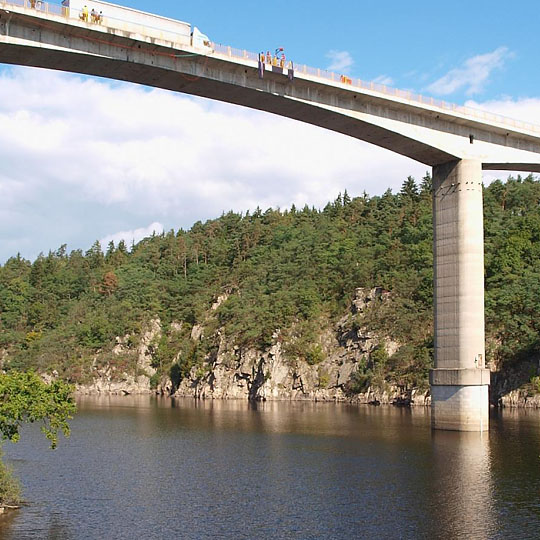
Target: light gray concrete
[456,144]
[458,378]
[460,408]
[421,131]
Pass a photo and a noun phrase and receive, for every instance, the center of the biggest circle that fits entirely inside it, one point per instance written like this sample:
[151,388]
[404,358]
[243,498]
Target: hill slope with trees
[294,271]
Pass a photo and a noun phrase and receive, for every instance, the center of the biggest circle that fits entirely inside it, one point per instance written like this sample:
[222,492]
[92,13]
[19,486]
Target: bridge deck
[49,9]
[428,130]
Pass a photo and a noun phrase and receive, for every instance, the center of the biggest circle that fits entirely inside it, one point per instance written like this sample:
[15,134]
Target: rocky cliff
[344,349]
[231,372]
[235,373]
[135,378]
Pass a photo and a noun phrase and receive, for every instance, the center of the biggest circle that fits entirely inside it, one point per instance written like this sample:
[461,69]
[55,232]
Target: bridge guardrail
[42,6]
[56,9]
[49,8]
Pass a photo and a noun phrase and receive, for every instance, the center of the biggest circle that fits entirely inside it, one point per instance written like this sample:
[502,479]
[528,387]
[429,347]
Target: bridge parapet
[457,142]
[50,9]
[174,33]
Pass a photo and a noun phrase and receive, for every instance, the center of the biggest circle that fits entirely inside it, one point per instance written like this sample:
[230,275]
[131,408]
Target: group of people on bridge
[275,60]
[95,17]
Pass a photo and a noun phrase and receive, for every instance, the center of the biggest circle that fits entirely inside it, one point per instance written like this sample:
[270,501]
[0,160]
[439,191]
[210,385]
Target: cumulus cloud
[133,236]
[340,61]
[472,75]
[526,109]
[83,158]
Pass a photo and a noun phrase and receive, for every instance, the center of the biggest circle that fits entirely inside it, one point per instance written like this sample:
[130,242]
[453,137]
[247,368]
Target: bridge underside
[426,134]
[456,146]
[228,92]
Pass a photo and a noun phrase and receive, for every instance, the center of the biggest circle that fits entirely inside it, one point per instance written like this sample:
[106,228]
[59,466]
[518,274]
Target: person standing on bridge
[84,14]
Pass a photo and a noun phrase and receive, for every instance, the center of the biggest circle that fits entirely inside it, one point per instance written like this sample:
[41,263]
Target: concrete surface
[420,131]
[456,145]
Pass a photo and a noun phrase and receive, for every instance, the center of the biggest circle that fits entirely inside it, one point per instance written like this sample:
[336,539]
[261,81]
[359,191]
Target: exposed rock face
[104,383]
[249,374]
[520,398]
[197,332]
[107,379]
[271,375]
[517,386]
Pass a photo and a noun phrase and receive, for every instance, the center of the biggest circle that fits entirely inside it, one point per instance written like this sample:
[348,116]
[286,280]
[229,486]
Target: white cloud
[85,158]
[473,75]
[88,158]
[340,61]
[133,236]
[526,109]
[384,79]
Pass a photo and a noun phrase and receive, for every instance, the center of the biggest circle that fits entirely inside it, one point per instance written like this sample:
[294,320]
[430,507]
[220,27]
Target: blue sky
[413,43]
[167,160]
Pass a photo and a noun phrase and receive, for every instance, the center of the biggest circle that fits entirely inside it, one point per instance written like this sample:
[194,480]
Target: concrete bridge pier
[459,382]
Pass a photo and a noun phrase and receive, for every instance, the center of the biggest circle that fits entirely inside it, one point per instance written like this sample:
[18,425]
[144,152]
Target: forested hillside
[278,269]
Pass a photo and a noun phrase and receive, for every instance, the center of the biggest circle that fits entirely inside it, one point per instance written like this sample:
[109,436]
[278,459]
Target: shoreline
[513,400]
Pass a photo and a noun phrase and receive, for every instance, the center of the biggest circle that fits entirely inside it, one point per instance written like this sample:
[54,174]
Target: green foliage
[535,383]
[10,488]
[371,371]
[154,380]
[26,398]
[314,355]
[286,271]
[360,379]
[324,377]
[300,341]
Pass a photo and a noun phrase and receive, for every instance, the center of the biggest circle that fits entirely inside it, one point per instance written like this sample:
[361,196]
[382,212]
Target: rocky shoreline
[518,399]
[230,372]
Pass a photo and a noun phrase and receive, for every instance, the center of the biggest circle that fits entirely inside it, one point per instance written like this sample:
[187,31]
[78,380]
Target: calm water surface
[151,468]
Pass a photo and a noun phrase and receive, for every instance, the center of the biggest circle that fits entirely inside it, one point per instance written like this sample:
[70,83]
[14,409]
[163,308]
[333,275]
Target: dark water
[146,468]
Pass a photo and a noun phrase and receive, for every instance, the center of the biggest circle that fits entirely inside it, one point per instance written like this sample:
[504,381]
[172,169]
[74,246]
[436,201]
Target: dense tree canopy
[279,268]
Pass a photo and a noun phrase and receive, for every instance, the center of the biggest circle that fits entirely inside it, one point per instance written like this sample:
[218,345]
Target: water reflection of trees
[56,527]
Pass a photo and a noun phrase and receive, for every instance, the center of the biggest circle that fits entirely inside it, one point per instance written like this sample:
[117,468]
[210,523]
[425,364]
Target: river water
[144,468]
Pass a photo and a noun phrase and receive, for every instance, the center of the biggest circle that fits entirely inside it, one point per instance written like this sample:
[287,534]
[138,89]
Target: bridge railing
[347,81]
[344,80]
[44,7]
[107,20]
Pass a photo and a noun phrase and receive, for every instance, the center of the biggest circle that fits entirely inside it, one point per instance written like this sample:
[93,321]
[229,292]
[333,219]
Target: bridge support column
[459,382]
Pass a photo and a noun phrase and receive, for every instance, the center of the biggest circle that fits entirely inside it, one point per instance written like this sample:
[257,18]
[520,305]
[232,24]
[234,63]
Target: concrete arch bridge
[457,142]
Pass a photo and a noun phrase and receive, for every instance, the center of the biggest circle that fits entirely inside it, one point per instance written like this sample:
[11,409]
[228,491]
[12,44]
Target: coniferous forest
[279,269]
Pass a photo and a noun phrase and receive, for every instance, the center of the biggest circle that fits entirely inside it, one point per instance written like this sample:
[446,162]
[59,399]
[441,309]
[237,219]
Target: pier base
[459,399]
[459,382]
